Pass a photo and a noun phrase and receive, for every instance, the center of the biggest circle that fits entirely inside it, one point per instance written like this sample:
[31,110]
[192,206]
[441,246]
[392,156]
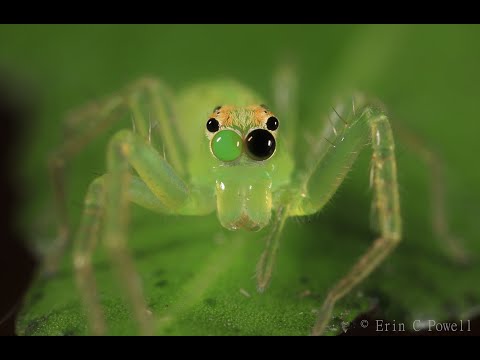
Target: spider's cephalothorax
[243,138]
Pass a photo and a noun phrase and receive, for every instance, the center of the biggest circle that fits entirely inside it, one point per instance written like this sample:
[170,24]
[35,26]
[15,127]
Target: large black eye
[272,123]
[213,125]
[260,144]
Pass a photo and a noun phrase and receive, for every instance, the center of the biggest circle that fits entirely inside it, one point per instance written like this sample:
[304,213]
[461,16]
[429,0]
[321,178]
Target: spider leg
[158,188]
[285,91]
[266,262]
[355,127]
[84,245]
[143,100]
[434,163]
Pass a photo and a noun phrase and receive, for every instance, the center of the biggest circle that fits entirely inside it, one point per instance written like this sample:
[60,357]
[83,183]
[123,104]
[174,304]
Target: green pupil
[227,145]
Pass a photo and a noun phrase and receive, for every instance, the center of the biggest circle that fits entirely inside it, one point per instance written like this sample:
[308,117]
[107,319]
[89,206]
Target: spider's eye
[272,123]
[213,125]
[260,144]
[226,145]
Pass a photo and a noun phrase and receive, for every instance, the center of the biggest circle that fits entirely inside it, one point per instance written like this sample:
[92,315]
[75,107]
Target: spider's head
[243,140]
[242,132]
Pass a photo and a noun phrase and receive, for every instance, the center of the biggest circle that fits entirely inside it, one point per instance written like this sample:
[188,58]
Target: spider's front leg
[356,124]
[157,188]
[146,97]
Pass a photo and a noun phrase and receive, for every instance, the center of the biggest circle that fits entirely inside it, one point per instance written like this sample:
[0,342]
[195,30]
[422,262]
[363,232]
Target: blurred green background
[427,75]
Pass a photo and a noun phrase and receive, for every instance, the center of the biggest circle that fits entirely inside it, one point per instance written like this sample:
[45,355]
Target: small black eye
[272,123]
[260,144]
[213,125]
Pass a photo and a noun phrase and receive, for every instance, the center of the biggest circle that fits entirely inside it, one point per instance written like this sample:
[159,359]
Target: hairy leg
[355,124]
[157,188]
[145,101]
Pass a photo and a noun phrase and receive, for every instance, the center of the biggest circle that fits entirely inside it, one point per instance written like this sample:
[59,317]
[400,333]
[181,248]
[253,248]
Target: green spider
[235,160]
